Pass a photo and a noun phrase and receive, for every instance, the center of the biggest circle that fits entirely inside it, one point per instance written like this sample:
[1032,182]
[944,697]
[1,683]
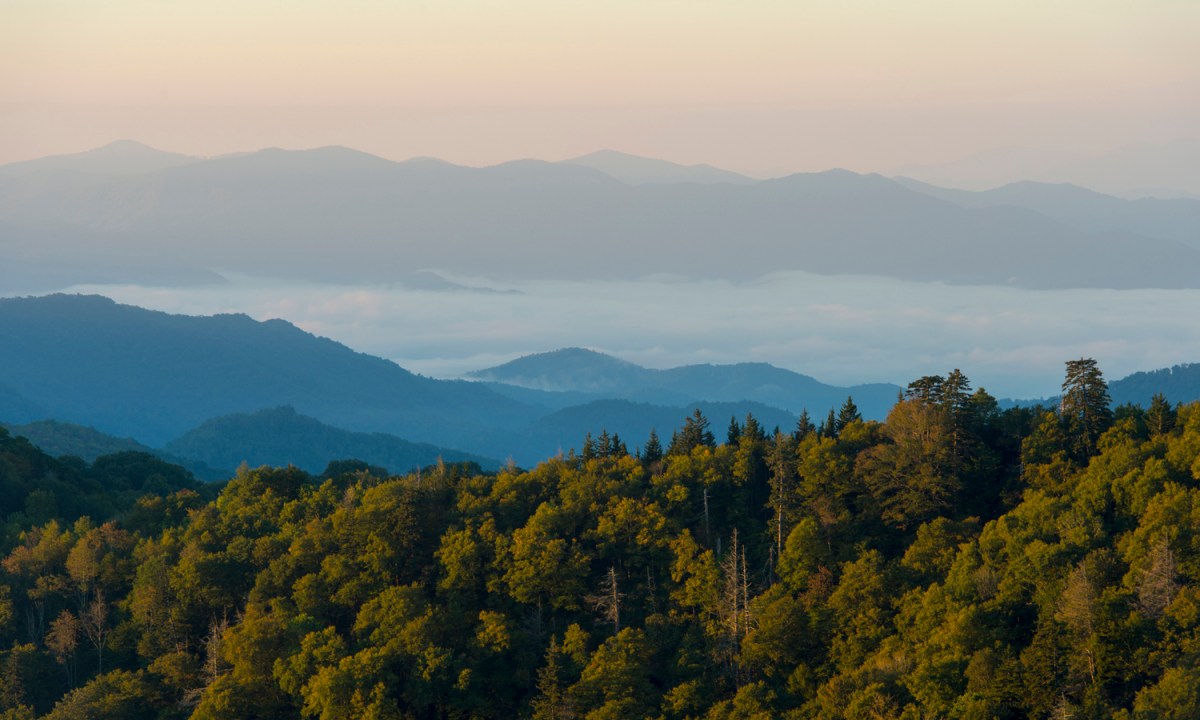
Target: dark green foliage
[955,561]
[694,434]
[1084,405]
[847,414]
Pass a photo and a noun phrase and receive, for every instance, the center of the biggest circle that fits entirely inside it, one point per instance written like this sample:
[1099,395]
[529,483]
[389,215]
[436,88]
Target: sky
[764,87]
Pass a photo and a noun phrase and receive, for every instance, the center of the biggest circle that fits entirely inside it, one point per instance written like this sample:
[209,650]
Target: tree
[1160,416]
[829,428]
[653,451]
[927,388]
[804,426]
[607,602]
[912,476]
[733,433]
[695,433]
[847,414]
[63,641]
[1085,403]
[553,702]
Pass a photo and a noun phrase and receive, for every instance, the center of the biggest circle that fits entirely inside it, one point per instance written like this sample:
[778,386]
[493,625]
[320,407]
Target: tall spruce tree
[847,414]
[653,451]
[1085,405]
[804,426]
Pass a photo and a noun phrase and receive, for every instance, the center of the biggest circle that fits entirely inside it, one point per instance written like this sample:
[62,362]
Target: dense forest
[955,561]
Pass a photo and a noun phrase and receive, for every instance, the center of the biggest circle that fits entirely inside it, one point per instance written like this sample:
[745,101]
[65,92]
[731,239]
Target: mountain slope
[153,376]
[59,438]
[281,436]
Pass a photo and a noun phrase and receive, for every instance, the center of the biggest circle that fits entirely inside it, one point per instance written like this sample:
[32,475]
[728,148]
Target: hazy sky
[766,86]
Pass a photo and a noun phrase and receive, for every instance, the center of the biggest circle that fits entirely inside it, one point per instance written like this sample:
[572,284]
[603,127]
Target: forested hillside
[955,561]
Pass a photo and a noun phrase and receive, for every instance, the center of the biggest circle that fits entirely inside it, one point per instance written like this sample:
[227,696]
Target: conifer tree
[694,434]
[1160,416]
[804,426]
[734,433]
[1085,405]
[653,451]
[829,428]
[849,413]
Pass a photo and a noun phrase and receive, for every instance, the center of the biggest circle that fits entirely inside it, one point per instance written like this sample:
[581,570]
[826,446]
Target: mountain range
[1141,170]
[158,378]
[167,219]
[212,392]
[587,372]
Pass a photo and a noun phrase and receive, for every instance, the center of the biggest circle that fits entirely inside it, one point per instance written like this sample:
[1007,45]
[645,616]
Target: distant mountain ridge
[1165,170]
[636,170]
[277,213]
[586,371]
[1083,209]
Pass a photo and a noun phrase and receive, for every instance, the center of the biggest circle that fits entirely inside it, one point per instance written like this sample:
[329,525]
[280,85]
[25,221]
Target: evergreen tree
[695,433]
[1160,416]
[733,433]
[604,444]
[848,414]
[927,388]
[753,430]
[804,426]
[829,428]
[618,447]
[653,451]
[1085,403]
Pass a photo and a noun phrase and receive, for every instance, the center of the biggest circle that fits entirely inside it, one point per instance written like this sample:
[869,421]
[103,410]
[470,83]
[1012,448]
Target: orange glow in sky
[764,87]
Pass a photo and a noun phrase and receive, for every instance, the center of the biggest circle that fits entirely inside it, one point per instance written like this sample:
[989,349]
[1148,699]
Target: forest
[954,561]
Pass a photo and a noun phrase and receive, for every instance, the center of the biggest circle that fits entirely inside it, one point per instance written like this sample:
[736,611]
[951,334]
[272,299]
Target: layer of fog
[841,330]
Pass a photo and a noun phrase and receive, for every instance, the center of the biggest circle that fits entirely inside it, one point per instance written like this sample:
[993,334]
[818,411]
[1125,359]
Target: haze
[841,330]
[764,88]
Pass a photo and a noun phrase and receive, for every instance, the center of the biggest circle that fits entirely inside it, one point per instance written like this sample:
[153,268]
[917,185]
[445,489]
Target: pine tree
[753,430]
[848,414]
[927,388]
[804,426]
[653,451]
[695,433]
[553,701]
[618,447]
[604,444]
[829,428]
[734,433]
[1085,403]
[1160,416]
